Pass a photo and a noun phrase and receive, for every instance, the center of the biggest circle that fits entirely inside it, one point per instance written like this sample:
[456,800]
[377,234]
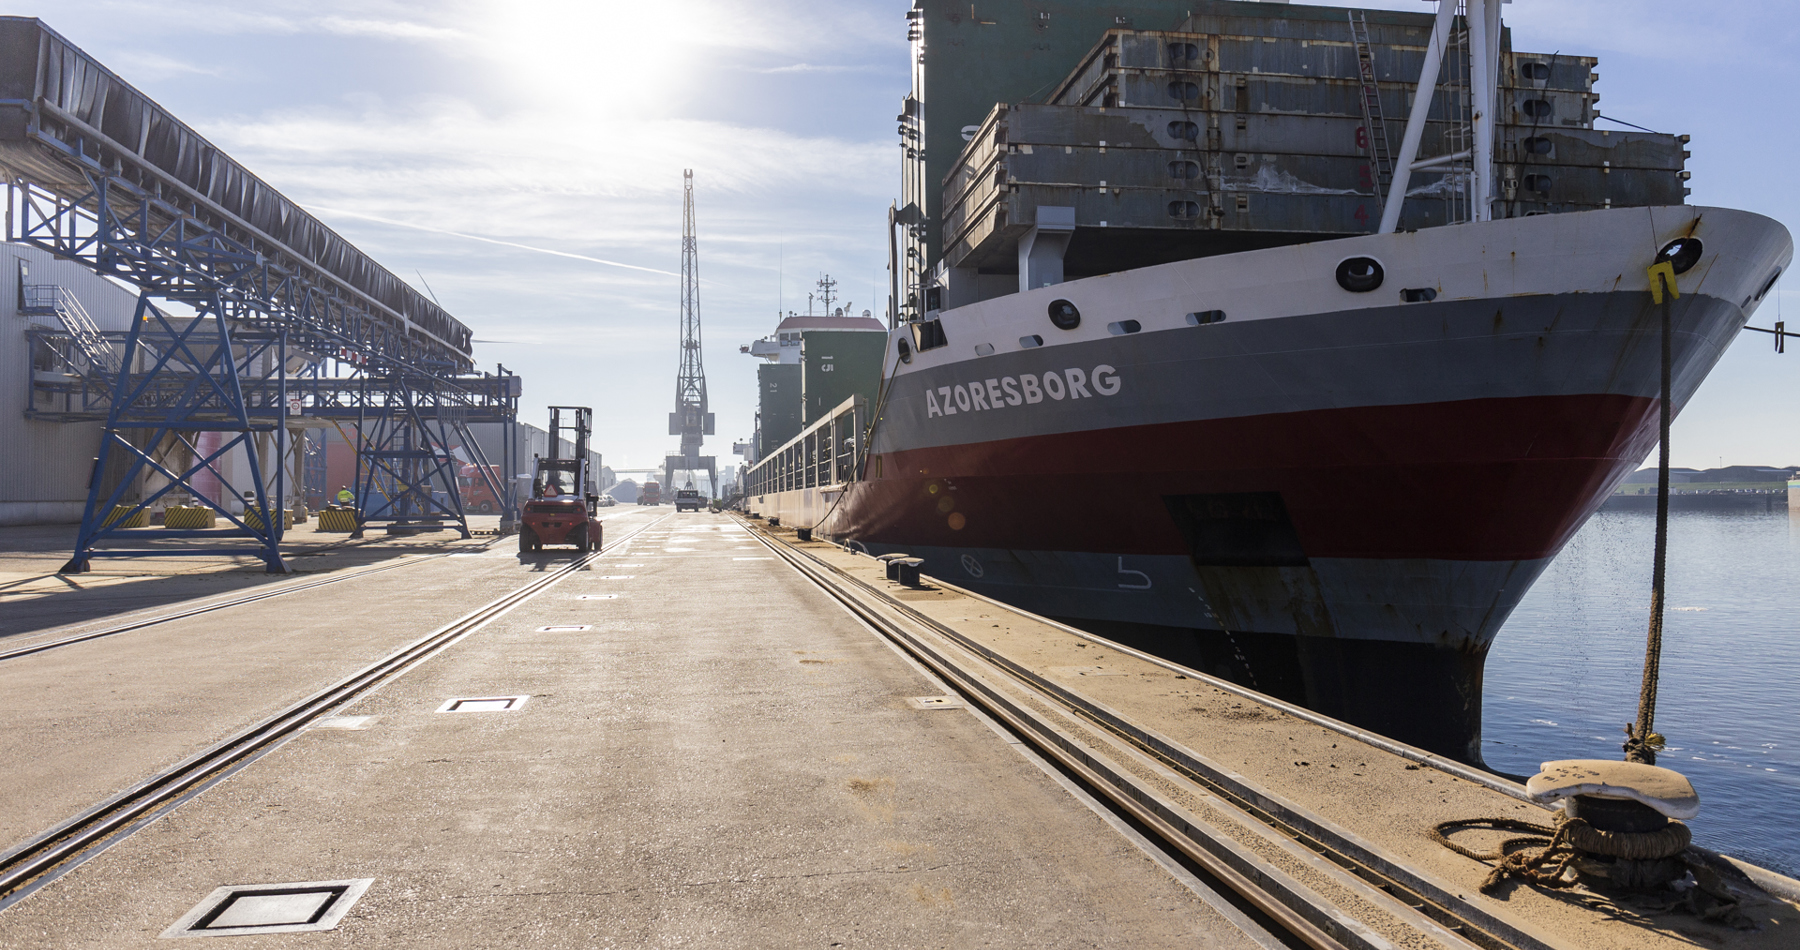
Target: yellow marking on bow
[1666,271]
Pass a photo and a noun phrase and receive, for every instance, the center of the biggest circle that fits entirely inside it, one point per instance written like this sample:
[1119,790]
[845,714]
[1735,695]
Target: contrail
[489,240]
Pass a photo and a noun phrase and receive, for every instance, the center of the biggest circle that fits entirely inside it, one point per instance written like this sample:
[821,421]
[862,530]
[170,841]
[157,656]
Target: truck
[688,499]
[477,491]
[563,505]
[650,494]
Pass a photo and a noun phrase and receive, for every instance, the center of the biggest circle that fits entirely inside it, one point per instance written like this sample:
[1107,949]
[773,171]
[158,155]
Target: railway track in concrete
[1133,771]
[38,862]
[249,597]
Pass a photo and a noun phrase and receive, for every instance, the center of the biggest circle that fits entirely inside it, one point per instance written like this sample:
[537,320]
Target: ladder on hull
[1381,162]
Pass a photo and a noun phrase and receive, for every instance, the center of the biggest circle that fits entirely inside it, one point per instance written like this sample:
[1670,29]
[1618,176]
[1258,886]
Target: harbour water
[1562,679]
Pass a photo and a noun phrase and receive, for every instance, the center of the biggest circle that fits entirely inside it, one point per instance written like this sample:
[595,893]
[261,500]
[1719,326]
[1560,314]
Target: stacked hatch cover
[1238,131]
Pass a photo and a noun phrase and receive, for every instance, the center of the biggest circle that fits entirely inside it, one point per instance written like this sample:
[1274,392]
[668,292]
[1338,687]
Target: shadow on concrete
[34,598]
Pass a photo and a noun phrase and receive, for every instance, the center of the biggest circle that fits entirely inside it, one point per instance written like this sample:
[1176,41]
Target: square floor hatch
[468,704]
[240,909]
[935,702]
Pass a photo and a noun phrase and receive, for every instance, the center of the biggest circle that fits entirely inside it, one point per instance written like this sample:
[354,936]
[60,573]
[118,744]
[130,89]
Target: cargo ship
[1288,342]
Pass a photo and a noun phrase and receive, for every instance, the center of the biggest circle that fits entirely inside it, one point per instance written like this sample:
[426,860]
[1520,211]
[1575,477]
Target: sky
[522,162]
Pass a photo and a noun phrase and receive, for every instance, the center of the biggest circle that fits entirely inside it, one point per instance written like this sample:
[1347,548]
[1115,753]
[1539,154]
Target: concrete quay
[714,734]
[718,755]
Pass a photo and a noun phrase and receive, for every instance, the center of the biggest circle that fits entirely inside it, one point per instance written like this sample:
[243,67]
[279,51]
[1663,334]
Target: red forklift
[563,504]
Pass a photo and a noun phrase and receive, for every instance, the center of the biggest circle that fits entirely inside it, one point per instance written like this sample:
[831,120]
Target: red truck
[477,493]
[651,494]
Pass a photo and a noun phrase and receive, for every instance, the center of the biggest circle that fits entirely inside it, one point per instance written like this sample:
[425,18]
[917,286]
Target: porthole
[1064,315]
[1180,54]
[1419,294]
[1681,253]
[1180,169]
[1203,317]
[1537,108]
[1028,342]
[1359,275]
[1536,145]
[1122,327]
[1185,130]
[1538,183]
[1184,91]
[984,349]
[905,349]
[1184,210]
[1535,71]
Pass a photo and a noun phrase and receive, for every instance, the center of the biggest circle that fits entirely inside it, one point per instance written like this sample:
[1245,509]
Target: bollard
[906,570]
[804,534]
[887,564]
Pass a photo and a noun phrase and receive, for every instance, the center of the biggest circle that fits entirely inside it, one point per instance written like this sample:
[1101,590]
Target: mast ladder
[1381,162]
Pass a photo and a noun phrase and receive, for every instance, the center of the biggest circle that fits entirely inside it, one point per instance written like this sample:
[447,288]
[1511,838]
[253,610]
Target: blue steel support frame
[171,255]
[409,454]
[212,400]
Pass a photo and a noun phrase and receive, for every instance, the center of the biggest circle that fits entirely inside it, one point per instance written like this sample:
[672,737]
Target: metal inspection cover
[466,704]
[239,909]
[935,702]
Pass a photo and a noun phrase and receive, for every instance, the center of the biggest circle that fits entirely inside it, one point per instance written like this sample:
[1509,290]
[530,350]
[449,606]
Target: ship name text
[1023,389]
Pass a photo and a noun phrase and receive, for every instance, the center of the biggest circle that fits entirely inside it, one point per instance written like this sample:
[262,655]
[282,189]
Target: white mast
[1481,115]
[1415,121]
[1483,20]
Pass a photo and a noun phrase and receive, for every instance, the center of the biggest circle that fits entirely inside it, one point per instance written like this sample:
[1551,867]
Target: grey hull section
[1413,354]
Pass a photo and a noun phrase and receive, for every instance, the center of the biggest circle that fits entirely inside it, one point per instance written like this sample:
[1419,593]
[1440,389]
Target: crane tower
[690,420]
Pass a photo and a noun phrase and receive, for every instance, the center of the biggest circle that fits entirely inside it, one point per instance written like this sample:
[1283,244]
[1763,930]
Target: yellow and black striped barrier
[253,518]
[189,516]
[337,519]
[123,517]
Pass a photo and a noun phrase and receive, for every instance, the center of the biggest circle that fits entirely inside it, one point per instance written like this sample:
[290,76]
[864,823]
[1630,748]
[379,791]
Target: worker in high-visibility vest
[346,497]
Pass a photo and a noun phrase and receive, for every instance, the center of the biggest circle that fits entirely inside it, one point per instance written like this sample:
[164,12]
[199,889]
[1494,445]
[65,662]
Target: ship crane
[691,420]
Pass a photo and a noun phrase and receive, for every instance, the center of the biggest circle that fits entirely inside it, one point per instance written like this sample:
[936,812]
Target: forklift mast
[578,423]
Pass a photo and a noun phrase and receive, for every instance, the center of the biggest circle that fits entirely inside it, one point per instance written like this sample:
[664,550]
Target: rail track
[250,597]
[266,593]
[30,866]
[1112,756]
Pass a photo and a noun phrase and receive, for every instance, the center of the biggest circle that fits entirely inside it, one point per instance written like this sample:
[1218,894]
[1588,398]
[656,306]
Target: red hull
[1487,479]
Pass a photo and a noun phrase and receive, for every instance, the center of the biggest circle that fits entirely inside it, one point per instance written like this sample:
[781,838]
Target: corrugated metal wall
[44,466]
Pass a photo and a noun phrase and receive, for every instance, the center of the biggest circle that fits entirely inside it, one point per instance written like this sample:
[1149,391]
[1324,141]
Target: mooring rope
[1641,740]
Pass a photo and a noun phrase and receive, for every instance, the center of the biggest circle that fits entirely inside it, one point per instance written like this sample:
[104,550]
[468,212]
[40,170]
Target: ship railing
[826,453]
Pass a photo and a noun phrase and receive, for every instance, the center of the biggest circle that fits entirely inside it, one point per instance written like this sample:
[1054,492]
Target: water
[1562,679]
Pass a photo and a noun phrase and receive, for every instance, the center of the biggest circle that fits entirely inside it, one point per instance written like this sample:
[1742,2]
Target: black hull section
[1423,695]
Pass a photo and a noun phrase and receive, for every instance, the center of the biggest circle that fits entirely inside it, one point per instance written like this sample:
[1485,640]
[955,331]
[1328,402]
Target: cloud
[392,29]
[489,240]
[147,65]
[810,68]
